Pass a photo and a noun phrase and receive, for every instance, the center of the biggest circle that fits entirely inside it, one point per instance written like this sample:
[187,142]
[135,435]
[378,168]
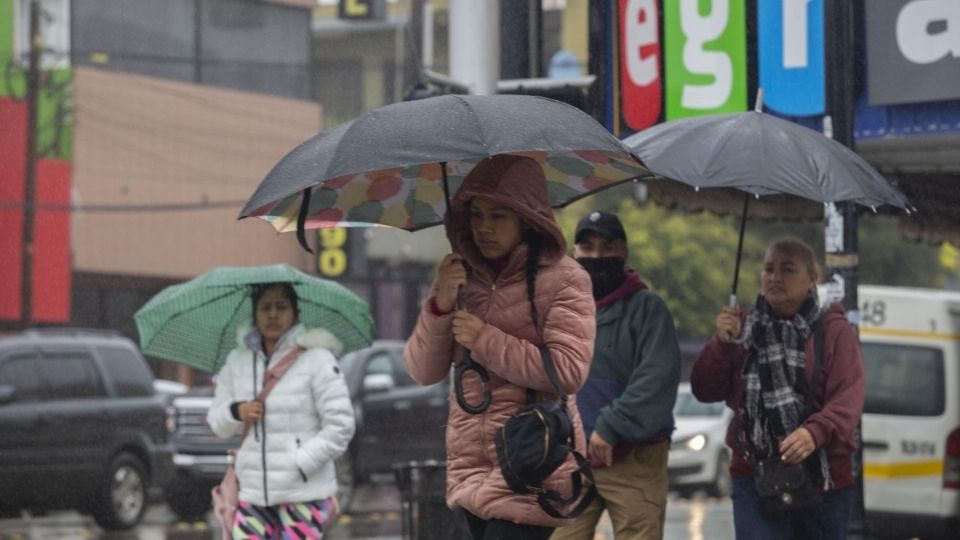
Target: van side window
[20,371]
[903,380]
[129,376]
[72,375]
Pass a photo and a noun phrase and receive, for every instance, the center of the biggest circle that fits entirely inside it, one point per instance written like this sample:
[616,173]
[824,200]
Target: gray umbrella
[393,165]
[399,165]
[760,155]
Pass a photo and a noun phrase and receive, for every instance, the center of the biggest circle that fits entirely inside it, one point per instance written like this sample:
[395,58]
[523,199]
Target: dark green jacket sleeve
[645,408]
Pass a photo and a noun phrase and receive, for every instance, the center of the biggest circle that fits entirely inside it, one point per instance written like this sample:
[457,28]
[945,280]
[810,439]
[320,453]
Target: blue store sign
[790,50]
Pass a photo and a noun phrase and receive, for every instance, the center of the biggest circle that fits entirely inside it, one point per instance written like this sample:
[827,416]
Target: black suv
[397,421]
[82,428]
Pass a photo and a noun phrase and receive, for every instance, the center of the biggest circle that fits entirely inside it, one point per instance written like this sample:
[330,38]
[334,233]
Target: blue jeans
[825,522]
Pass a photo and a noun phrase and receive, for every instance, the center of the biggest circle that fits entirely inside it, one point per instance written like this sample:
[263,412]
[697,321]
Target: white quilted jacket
[307,424]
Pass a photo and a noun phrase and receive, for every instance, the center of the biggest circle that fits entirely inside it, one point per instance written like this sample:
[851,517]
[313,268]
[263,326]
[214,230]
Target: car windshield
[688,405]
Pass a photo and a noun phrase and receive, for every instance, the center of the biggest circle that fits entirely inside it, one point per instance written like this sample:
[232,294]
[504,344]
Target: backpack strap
[546,497]
[552,374]
[818,331]
[554,377]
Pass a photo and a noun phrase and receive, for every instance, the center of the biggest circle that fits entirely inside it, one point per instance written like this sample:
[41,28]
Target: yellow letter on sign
[332,260]
[355,8]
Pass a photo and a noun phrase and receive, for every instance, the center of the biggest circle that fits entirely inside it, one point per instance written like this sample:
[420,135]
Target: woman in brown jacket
[519,290]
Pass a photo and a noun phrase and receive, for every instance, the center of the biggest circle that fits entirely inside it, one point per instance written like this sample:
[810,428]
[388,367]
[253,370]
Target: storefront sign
[790,50]
[913,51]
[640,63]
[362,9]
[705,57]
[332,256]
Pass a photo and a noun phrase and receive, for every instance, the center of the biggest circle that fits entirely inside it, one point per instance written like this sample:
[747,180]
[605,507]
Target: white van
[911,421]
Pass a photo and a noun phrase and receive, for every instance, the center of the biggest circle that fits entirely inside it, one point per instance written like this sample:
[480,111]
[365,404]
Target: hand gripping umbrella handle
[469,365]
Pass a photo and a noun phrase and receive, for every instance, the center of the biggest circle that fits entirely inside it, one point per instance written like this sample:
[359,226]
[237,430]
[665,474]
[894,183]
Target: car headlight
[171,419]
[696,443]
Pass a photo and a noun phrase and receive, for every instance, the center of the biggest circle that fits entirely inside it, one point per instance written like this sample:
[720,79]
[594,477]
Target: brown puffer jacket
[507,344]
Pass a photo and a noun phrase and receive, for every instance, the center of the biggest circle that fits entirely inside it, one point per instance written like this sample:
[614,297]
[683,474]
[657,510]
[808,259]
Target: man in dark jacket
[627,402]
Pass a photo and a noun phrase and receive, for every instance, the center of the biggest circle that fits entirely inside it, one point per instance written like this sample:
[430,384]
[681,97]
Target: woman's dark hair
[285,288]
[534,245]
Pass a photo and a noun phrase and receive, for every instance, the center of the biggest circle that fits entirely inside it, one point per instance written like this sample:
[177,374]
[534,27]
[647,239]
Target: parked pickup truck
[200,457]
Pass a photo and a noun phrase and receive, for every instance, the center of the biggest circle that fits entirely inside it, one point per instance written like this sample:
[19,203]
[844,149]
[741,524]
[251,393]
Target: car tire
[188,499]
[122,495]
[723,483]
[346,481]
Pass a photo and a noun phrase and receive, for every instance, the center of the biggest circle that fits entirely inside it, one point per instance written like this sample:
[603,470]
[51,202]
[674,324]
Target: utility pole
[521,33]
[475,44]
[30,169]
[842,260]
[414,62]
[198,41]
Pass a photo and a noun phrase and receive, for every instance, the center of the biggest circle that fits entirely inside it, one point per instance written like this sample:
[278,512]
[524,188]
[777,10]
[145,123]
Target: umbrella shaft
[736,268]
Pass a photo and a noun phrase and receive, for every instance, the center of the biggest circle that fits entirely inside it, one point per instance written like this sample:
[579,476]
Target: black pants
[498,529]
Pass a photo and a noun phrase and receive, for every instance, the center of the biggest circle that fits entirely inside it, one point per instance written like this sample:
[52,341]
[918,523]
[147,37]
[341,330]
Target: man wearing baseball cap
[627,402]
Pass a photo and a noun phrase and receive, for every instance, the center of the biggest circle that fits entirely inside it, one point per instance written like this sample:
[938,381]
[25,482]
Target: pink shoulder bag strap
[271,379]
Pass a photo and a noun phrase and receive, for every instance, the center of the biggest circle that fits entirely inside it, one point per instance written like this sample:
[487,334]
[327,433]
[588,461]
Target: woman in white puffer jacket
[285,465]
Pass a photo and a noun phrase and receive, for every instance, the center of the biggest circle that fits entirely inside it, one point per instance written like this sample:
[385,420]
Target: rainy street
[376,514]
[331,257]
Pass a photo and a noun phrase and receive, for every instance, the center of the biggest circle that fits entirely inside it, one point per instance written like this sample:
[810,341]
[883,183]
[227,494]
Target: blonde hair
[800,248]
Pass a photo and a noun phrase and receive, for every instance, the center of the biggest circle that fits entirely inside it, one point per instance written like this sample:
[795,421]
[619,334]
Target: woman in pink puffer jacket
[512,266]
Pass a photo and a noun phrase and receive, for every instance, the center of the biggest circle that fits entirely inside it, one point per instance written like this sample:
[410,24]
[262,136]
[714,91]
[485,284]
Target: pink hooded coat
[507,344]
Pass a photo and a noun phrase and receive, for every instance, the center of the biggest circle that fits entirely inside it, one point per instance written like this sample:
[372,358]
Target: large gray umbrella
[761,155]
[399,165]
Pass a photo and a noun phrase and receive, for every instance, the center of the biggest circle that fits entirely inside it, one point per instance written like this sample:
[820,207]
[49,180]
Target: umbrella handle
[468,364]
[458,373]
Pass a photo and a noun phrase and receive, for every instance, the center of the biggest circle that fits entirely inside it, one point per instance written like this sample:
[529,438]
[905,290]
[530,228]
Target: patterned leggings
[286,521]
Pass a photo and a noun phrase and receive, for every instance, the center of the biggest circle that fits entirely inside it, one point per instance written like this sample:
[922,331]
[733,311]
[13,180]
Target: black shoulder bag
[784,487]
[535,442]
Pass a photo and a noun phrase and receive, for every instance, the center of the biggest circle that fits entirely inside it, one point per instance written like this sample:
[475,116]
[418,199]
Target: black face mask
[606,273]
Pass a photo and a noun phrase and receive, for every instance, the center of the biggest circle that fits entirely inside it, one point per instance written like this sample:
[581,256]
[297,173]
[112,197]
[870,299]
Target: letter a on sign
[706,67]
[640,62]
[913,51]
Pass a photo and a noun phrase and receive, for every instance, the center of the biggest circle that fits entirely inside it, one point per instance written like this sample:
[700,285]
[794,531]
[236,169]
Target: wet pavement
[374,515]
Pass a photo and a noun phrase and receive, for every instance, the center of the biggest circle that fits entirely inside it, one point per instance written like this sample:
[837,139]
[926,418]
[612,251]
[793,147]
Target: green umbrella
[195,323]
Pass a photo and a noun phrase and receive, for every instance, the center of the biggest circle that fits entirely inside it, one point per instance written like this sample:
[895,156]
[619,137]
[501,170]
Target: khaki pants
[633,491]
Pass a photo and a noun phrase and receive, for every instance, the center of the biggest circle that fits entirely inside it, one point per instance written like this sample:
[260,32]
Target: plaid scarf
[774,382]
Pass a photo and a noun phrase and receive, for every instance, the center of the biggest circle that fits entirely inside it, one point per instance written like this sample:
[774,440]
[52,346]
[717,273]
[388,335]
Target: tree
[688,258]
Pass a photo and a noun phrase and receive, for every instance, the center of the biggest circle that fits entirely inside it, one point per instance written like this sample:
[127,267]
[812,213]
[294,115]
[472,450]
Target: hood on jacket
[514,182]
[308,338]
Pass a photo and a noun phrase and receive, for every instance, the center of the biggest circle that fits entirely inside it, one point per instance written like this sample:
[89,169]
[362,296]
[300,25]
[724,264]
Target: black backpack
[535,442]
